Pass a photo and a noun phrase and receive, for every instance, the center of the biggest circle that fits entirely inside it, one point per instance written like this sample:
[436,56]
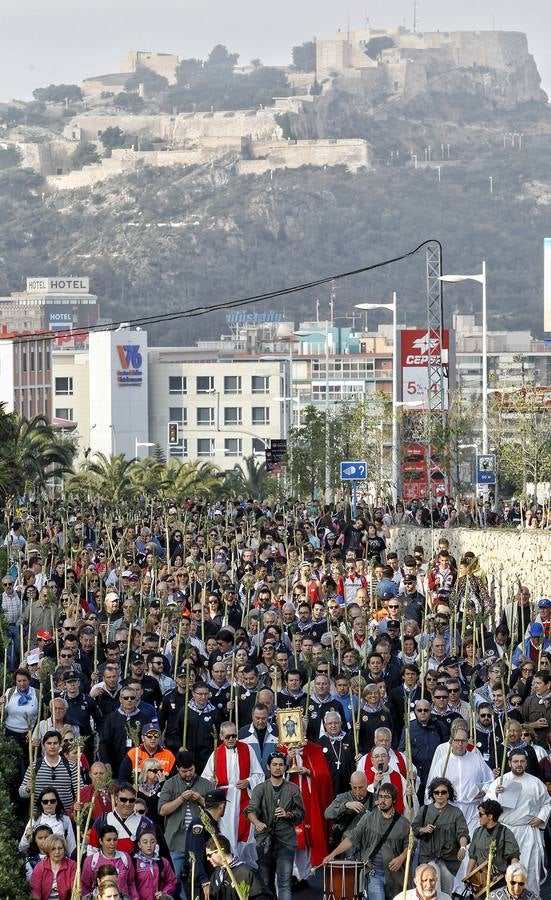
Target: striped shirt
[62,777]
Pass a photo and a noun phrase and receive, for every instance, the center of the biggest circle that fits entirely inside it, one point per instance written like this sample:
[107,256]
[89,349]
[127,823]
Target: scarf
[144,861]
[372,709]
[205,709]
[23,699]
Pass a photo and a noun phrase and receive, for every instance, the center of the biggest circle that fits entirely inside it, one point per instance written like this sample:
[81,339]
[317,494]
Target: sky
[54,41]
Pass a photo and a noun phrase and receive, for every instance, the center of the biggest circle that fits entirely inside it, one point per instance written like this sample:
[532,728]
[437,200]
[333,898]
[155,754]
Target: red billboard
[417,345]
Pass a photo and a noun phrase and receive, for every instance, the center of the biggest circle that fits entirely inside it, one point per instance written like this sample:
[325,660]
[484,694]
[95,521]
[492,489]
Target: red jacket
[42,879]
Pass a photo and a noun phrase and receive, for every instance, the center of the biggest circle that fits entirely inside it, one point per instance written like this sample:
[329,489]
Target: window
[64,412]
[260,384]
[205,384]
[178,450]
[64,386]
[177,414]
[233,447]
[233,415]
[205,447]
[177,384]
[260,415]
[205,416]
[232,384]
[259,445]
[24,359]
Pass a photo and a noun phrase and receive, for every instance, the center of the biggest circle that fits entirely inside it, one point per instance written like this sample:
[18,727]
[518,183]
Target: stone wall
[505,555]
[350,153]
[125,161]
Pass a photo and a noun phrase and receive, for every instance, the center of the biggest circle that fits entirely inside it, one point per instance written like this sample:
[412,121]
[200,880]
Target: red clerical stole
[221,769]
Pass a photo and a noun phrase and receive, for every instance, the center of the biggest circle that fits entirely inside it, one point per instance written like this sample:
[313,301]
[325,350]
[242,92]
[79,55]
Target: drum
[343,879]
[478,879]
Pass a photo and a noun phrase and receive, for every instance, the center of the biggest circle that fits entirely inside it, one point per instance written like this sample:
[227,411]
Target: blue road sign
[353,471]
[486,469]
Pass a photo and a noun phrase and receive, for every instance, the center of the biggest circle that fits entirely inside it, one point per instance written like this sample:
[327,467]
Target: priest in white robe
[466,770]
[235,768]
[526,809]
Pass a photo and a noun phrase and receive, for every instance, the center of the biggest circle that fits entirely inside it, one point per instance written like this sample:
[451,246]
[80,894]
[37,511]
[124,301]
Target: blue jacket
[524,650]
[424,741]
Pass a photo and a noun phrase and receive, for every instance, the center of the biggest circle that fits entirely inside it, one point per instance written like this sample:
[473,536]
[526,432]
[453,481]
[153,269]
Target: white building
[120,394]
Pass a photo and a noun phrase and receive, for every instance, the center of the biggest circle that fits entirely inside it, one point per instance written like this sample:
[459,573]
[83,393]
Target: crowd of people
[217,702]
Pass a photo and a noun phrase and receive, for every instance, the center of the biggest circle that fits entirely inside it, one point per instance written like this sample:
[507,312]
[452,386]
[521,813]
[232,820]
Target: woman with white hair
[427,885]
[514,888]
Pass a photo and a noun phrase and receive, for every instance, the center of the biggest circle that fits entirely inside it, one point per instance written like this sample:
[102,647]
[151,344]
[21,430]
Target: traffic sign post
[486,468]
[353,471]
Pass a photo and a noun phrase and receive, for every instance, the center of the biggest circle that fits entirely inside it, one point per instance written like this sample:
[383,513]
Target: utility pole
[415,10]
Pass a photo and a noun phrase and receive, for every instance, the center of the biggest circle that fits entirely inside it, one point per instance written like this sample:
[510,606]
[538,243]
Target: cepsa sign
[417,344]
[130,358]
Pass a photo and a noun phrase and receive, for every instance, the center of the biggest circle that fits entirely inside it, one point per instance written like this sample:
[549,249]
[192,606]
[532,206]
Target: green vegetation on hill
[163,240]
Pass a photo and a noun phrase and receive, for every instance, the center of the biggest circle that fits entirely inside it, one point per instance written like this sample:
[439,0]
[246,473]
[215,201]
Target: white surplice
[533,802]
[230,820]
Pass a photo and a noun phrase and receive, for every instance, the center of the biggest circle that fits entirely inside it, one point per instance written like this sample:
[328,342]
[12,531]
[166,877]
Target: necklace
[337,755]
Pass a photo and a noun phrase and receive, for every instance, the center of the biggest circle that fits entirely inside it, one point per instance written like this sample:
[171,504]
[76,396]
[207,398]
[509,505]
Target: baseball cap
[391,625]
[126,574]
[33,658]
[536,629]
[71,675]
[136,656]
[111,595]
[544,603]
[213,798]
[451,661]
[46,635]
[150,728]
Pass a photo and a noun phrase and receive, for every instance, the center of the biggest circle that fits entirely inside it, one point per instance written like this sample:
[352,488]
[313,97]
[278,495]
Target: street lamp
[481,279]
[394,466]
[141,444]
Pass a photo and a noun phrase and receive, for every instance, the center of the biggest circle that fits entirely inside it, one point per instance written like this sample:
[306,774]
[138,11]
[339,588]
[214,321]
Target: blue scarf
[24,698]
[145,861]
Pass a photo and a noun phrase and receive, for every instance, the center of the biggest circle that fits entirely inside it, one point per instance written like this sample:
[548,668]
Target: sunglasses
[522,883]
[443,791]
[440,696]
[227,737]
[49,800]
[127,799]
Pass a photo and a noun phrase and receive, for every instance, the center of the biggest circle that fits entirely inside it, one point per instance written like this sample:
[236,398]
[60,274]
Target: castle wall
[353,154]
[164,64]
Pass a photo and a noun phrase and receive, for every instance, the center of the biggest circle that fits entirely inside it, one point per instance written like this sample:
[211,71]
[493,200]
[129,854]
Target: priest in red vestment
[313,778]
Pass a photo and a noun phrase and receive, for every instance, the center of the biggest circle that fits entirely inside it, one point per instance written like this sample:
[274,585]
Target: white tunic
[469,775]
[229,822]
[533,801]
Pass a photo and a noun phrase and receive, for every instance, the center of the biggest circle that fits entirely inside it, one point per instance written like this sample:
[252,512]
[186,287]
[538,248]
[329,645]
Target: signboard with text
[416,346]
[67,285]
[130,358]
[486,468]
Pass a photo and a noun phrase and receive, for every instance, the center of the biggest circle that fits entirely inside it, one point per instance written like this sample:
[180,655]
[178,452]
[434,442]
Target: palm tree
[191,479]
[250,480]
[114,477]
[33,451]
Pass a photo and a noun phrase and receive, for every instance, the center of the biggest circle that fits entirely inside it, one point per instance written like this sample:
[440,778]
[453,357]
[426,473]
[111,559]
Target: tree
[113,137]
[304,57]
[250,479]
[113,477]
[152,81]
[32,451]
[58,93]
[130,102]
[84,155]
[191,479]
[219,56]
[377,44]
[187,70]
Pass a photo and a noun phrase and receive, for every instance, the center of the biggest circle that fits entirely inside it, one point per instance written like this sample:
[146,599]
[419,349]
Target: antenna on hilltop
[415,10]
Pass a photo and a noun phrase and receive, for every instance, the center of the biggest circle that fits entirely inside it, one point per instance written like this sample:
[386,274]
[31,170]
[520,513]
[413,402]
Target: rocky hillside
[167,240]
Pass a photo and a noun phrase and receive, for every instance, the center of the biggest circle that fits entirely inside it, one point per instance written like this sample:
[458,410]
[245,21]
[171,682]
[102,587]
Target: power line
[225,304]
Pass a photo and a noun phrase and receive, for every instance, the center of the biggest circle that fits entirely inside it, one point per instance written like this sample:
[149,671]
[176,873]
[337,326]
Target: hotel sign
[68,285]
